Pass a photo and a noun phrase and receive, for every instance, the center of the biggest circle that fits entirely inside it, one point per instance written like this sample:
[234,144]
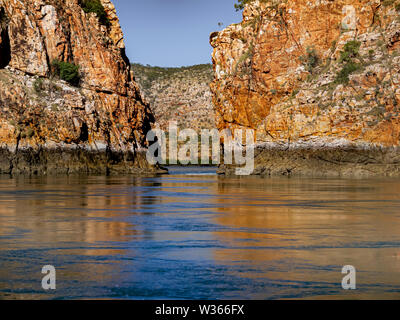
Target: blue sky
[172,33]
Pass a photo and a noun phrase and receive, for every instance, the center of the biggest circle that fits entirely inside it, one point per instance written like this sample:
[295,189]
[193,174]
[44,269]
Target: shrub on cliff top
[96,7]
[66,71]
[241,3]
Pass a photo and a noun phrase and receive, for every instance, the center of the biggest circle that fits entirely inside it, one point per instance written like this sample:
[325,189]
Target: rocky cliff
[178,94]
[319,83]
[67,100]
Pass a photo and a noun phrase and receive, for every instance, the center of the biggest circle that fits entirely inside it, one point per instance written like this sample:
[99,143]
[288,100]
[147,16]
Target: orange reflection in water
[305,230]
[293,234]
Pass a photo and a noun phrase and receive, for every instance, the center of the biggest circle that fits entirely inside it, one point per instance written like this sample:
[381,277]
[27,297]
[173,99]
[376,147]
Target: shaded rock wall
[40,113]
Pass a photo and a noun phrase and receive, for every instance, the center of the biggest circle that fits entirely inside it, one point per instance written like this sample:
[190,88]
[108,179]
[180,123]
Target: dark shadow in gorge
[5,49]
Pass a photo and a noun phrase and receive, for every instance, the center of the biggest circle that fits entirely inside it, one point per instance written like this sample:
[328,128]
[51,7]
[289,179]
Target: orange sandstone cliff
[48,125]
[318,81]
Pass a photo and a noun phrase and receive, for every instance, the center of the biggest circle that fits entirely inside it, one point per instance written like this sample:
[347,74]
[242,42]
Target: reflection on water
[194,235]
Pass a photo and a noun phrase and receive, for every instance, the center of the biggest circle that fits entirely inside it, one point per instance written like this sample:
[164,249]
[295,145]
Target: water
[195,235]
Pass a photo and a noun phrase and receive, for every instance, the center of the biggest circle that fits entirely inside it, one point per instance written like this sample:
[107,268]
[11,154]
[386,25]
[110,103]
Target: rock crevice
[5,50]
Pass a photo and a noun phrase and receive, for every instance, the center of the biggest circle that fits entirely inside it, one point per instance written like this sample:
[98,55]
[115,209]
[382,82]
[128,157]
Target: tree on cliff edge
[241,3]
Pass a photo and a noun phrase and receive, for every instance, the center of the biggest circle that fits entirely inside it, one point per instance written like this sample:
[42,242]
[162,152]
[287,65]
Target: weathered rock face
[48,125]
[317,80]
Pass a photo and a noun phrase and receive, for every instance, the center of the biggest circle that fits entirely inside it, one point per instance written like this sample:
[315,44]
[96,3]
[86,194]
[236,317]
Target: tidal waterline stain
[195,235]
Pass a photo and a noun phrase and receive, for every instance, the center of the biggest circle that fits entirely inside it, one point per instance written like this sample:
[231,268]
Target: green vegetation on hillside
[96,7]
[350,51]
[66,71]
[178,94]
[348,58]
[147,75]
[241,3]
[310,60]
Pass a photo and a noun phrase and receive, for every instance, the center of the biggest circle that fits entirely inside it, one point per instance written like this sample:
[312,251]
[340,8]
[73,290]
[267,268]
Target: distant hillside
[178,94]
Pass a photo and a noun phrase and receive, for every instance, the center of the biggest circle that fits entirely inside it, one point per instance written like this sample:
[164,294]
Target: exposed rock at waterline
[94,125]
[314,79]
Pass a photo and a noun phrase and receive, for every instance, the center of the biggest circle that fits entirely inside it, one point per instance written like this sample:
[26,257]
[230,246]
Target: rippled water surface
[195,235]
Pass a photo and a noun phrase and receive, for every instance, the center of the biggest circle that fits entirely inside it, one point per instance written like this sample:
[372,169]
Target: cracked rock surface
[50,126]
[318,81]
